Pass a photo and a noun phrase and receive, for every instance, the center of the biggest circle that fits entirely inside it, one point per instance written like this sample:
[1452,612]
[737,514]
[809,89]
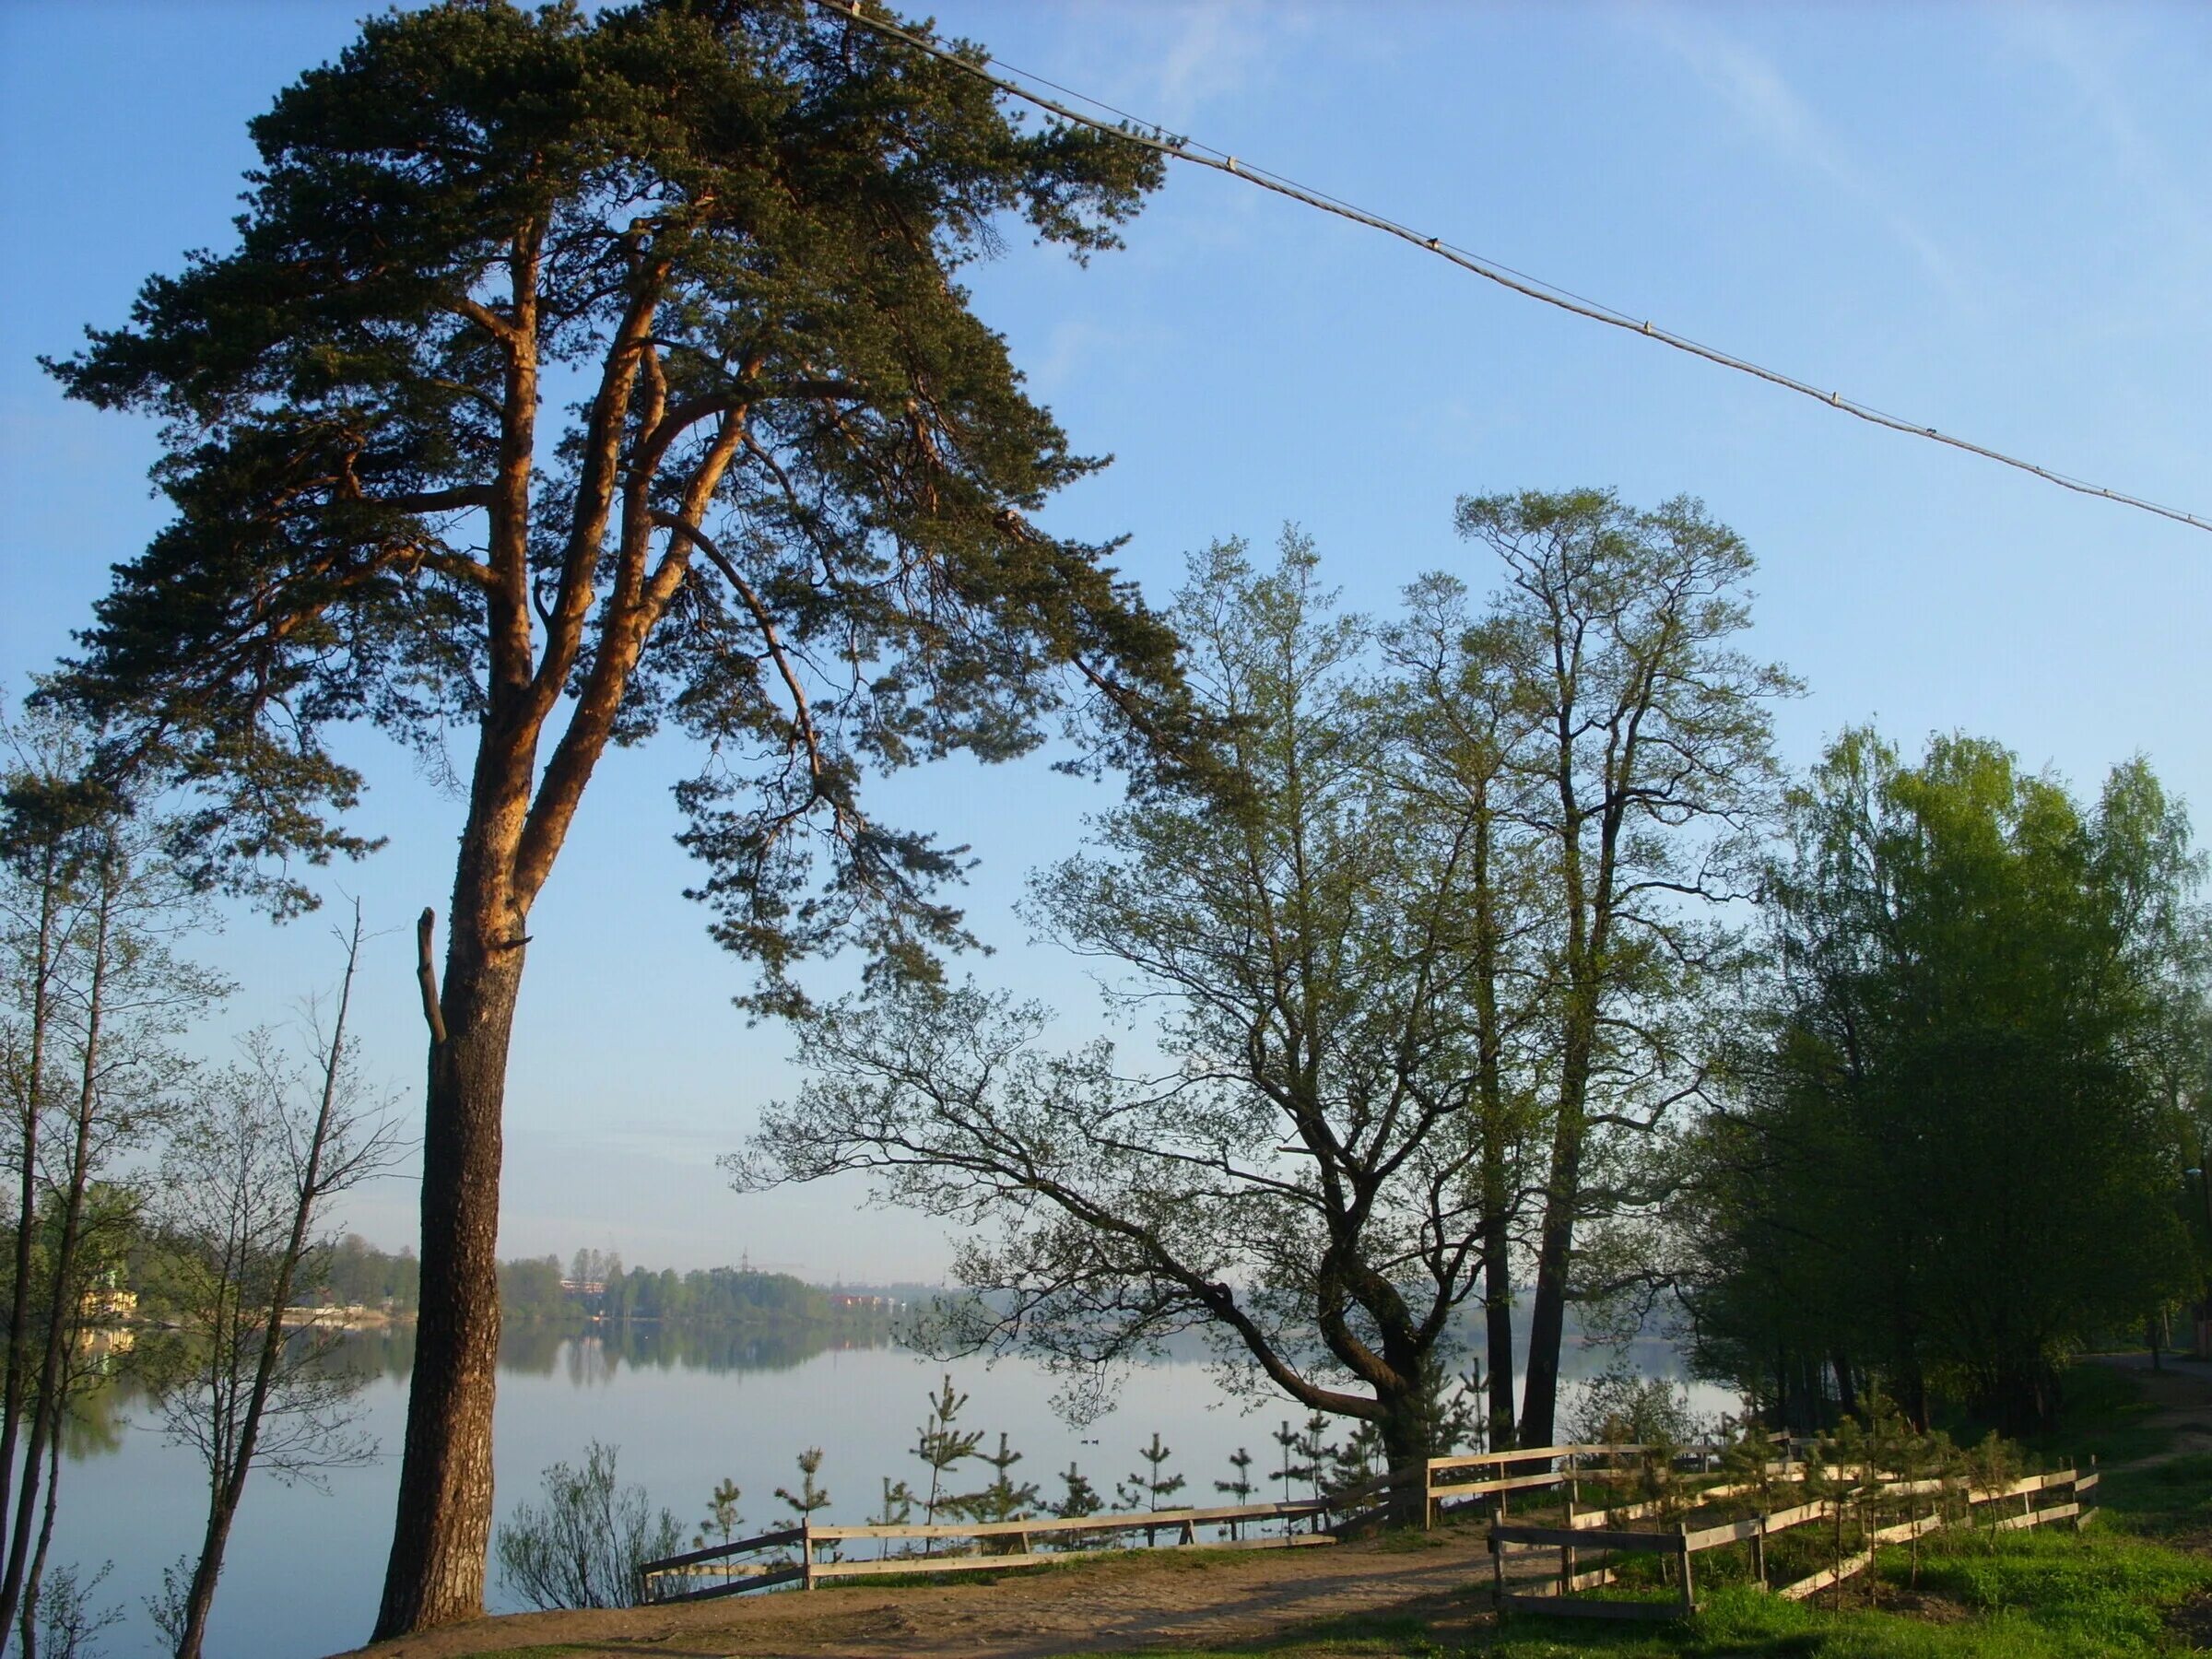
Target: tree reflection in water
[129,1363]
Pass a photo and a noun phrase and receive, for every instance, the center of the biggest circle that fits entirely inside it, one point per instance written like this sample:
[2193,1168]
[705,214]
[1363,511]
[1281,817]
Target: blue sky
[1992,219]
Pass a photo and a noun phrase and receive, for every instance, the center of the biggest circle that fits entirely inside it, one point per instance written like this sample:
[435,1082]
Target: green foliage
[809,1497]
[1290,1439]
[1750,1460]
[1947,1163]
[898,1506]
[1153,1483]
[942,1448]
[1623,1407]
[1002,1499]
[1077,1497]
[723,1517]
[68,1619]
[531,1290]
[1239,1488]
[584,1544]
[736,218]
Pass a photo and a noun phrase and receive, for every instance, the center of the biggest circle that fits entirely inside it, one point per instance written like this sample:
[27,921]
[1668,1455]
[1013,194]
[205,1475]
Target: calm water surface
[686,1409]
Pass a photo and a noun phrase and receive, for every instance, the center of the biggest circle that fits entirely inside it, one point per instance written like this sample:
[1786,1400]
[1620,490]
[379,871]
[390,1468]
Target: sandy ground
[1141,1600]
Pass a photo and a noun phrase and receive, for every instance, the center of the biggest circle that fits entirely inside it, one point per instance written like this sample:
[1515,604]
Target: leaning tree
[1326,948]
[572,375]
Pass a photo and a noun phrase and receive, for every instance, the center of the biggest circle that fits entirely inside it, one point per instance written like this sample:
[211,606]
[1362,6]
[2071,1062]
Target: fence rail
[1600,1532]
[1582,1531]
[802,1565]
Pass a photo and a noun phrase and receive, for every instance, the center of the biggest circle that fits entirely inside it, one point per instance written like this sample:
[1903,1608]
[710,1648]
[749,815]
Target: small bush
[584,1548]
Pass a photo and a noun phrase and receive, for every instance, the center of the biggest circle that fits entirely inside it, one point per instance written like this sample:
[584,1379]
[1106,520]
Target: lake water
[686,1409]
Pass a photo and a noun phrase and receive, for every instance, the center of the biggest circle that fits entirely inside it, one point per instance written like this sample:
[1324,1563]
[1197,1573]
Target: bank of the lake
[688,1405]
[2136,1583]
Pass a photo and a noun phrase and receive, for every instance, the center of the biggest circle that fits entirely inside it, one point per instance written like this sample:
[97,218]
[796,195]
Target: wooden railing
[990,1545]
[720,1561]
[1599,1532]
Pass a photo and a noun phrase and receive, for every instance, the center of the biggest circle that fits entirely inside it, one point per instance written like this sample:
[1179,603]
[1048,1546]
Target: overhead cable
[1150,135]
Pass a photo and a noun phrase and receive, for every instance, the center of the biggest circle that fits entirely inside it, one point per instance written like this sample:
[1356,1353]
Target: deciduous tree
[1305,1183]
[1944,1161]
[252,1167]
[1651,764]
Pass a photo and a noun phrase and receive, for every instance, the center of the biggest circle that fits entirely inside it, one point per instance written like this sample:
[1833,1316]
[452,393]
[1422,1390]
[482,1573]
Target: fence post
[806,1552]
[1758,1553]
[1567,1551]
[1690,1596]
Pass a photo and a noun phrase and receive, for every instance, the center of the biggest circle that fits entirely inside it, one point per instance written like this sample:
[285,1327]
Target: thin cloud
[2089,60]
[1761,96]
[1180,61]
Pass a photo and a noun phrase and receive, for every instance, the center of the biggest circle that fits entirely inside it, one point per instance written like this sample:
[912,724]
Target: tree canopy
[732,234]
[1944,1163]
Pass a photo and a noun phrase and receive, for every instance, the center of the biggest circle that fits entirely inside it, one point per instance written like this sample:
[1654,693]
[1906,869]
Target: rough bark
[436,1571]
[1587,914]
[1497,1330]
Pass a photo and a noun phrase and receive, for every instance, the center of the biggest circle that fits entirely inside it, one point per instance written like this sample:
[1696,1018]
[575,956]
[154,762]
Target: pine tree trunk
[444,1527]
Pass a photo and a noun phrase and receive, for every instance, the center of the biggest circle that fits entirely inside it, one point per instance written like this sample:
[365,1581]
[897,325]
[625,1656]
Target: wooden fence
[1440,1482]
[1442,1487]
[793,1555]
[1017,1544]
[1599,1532]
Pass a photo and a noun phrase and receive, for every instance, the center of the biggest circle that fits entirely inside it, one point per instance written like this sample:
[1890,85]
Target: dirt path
[2181,1396]
[1144,1599]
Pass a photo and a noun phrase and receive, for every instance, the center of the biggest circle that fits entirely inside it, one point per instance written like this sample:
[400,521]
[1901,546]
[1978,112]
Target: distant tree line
[540,1289]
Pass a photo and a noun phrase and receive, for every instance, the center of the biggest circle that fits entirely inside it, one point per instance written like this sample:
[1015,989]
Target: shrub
[584,1545]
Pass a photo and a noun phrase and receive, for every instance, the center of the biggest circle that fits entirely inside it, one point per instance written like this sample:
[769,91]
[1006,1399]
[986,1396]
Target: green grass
[2024,1598]
[2103,1415]
[2169,1499]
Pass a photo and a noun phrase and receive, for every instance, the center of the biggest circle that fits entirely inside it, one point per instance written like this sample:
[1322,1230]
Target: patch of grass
[1400,1542]
[2016,1595]
[2164,1501]
[2105,1590]
[2102,1413]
